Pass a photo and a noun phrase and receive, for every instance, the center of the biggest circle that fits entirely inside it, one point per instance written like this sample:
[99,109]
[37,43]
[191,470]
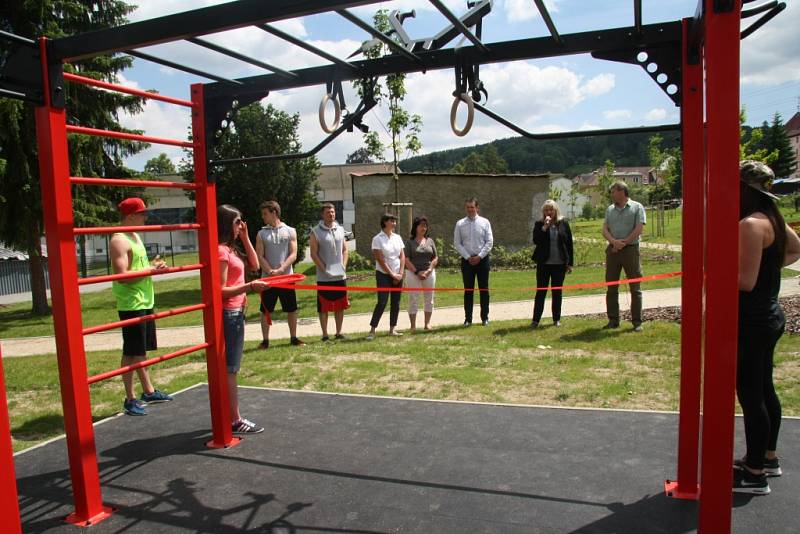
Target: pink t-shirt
[235,277]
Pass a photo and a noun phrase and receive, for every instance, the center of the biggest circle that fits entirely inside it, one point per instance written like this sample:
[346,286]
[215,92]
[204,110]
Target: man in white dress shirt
[473,240]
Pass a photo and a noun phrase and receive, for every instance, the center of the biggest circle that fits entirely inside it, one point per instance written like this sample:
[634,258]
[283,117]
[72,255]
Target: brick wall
[510,202]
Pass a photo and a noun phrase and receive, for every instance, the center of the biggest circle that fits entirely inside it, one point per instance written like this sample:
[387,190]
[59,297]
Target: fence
[15,277]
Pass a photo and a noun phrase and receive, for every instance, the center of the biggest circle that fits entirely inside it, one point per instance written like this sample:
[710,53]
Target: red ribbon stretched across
[283,281]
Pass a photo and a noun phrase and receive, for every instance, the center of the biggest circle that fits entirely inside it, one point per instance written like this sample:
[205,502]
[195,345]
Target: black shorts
[332,300]
[288,299]
[137,339]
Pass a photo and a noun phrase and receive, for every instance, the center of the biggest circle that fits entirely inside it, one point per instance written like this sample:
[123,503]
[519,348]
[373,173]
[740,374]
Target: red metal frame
[129,136]
[129,90]
[692,147]
[149,228]
[138,274]
[56,185]
[722,260]
[206,208]
[143,318]
[9,499]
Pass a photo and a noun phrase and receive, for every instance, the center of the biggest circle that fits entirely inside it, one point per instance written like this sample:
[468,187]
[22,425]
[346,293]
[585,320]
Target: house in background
[336,186]
[792,128]
[15,270]
[571,201]
[512,202]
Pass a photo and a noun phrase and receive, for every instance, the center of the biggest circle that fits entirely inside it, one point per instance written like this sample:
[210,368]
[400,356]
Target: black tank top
[760,306]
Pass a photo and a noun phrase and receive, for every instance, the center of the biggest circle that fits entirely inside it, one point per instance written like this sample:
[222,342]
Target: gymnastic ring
[470,114]
[337,108]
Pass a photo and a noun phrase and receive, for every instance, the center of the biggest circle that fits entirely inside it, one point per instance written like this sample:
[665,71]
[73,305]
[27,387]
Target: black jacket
[541,239]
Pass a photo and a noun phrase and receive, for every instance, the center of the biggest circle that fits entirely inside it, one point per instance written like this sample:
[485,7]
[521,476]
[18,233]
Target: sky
[556,94]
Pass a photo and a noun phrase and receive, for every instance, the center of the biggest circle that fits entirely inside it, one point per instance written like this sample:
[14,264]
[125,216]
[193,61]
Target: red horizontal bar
[130,183]
[124,135]
[148,228]
[128,90]
[146,363]
[143,318]
[138,274]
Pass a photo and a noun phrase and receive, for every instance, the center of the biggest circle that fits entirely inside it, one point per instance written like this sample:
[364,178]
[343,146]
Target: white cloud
[614,114]
[600,84]
[656,114]
[771,55]
[524,10]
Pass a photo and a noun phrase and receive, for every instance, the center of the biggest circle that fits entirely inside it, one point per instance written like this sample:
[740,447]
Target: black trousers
[384,280]
[549,275]
[468,274]
[756,391]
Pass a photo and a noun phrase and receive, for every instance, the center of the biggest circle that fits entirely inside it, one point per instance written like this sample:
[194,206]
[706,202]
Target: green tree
[292,183]
[21,223]
[666,163]
[159,166]
[776,141]
[486,161]
[604,182]
[751,143]
[360,155]
[404,128]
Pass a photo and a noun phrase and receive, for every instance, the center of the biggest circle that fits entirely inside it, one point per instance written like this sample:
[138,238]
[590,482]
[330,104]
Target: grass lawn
[16,320]
[580,365]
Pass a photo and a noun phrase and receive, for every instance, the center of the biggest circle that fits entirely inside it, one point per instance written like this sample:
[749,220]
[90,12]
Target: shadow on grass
[45,427]
[593,334]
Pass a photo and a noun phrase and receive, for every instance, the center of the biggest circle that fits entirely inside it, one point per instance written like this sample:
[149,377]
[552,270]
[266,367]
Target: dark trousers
[384,280]
[628,259]
[548,275]
[468,275]
[756,391]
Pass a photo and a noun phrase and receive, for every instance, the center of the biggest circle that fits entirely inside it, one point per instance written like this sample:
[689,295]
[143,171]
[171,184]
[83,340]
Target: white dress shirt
[473,237]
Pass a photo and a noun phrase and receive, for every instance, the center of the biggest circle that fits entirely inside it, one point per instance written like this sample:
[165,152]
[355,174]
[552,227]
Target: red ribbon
[283,281]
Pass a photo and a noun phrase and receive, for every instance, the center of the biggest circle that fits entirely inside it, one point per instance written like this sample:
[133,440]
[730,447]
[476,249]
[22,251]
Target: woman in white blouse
[388,250]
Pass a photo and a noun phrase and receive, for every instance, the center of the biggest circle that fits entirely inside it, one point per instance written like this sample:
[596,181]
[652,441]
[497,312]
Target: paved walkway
[358,323]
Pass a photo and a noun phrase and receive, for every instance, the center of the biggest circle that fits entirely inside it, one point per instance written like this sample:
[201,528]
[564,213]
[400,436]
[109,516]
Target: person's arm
[292,256]
[458,244]
[232,291]
[637,231]
[262,257]
[435,259]
[568,243]
[119,249]
[539,235]
[252,257]
[792,252]
[345,253]
[378,255]
[314,246]
[489,242]
[751,244]
[402,265]
[409,250]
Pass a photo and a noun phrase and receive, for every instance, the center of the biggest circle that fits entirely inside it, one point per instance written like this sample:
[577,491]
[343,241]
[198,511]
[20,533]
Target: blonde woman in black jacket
[553,256]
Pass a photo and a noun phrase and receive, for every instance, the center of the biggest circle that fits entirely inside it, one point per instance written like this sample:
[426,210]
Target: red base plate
[671,489]
[73,518]
[214,445]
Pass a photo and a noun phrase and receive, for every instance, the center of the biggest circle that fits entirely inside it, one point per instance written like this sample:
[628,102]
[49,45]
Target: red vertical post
[722,114]
[693,151]
[9,500]
[51,134]
[206,207]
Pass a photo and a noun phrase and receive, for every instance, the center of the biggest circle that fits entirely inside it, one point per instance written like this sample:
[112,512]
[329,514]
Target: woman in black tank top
[766,244]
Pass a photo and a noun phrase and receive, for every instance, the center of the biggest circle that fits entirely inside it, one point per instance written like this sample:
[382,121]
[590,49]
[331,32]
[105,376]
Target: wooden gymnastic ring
[337,109]
[470,114]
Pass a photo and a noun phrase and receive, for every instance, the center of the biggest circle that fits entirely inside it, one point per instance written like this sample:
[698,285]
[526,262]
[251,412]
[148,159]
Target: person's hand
[158,263]
[547,221]
[569,269]
[474,260]
[274,272]
[423,275]
[259,286]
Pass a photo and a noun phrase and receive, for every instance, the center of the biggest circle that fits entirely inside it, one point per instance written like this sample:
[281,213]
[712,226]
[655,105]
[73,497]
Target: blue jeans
[233,325]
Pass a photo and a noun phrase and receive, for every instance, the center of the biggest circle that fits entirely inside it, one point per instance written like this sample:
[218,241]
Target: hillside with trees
[567,156]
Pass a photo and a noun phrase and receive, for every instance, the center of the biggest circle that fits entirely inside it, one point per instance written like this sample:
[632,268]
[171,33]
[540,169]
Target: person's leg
[749,389]
[468,279]
[482,272]
[542,281]
[557,275]
[412,282]
[268,300]
[613,270]
[323,323]
[338,315]
[771,400]
[233,330]
[127,378]
[394,309]
[633,269]
[233,395]
[430,283]
[381,280]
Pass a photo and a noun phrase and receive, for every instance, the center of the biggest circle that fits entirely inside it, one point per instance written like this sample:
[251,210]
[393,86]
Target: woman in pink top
[234,299]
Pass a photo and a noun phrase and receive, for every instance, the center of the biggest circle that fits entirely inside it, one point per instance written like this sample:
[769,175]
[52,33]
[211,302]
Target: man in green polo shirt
[135,298]
[625,220]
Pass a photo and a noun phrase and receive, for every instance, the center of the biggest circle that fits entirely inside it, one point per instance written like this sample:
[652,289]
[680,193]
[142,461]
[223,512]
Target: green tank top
[136,294]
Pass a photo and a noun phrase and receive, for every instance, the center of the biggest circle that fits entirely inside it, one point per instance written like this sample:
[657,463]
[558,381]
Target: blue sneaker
[134,407]
[155,397]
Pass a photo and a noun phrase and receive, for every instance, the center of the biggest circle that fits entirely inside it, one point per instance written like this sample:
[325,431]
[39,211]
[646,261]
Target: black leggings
[549,276]
[384,280]
[756,391]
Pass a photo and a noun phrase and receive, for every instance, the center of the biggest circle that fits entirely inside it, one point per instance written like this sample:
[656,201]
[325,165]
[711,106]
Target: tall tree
[21,223]
[159,165]
[403,127]
[259,130]
[360,155]
[666,163]
[751,143]
[605,180]
[486,161]
[776,141]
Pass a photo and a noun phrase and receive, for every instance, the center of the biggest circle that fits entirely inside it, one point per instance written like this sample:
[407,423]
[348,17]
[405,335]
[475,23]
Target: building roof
[792,126]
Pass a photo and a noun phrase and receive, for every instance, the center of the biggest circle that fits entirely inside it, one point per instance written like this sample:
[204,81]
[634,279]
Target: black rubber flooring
[336,464]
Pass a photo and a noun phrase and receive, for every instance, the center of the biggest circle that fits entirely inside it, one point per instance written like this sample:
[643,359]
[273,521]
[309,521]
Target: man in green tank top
[135,298]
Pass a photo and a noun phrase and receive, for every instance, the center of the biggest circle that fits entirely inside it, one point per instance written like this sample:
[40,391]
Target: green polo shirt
[622,221]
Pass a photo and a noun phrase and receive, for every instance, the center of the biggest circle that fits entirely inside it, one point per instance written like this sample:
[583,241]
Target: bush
[357,262]
[587,212]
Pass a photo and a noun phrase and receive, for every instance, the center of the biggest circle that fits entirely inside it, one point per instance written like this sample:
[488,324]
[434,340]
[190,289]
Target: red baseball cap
[131,205]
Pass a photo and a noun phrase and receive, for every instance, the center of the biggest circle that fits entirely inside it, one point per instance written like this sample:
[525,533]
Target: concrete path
[358,324]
